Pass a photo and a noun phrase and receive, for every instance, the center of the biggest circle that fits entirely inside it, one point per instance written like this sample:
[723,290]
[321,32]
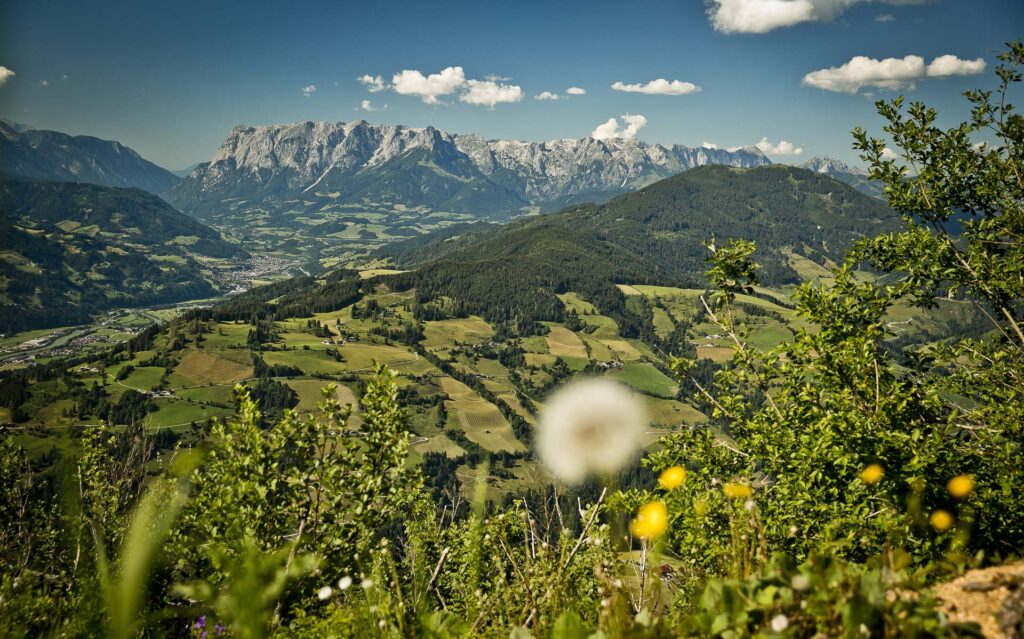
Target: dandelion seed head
[780,623]
[324,593]
[800,582]
[345,583]
[749,505]
[366,584]
[590,426]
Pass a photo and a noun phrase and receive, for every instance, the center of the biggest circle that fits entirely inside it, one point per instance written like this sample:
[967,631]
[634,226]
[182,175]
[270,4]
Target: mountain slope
[852,175]
[655,235]
[27,153]
[72,250]
[313,166]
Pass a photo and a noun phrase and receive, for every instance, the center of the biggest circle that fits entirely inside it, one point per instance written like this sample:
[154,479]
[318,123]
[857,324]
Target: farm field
[468,393]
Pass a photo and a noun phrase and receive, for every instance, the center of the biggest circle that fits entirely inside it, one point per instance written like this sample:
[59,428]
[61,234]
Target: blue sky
[170,79]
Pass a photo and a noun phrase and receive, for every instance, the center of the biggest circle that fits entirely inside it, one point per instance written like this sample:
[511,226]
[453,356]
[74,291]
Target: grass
[310,394]
[217,393]
[622,349]
[663,324]
[444,333]
[198,367]
[482,422]
[144,377]
[646,378]
[177,412]
[439,443]
[669,412]
[561,341]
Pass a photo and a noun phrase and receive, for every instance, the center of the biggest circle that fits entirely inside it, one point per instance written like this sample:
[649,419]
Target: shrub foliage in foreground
[832,486]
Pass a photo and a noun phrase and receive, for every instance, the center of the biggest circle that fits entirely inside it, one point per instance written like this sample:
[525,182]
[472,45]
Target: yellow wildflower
[737,491]
[651,521]
[941,520]
[960,486]
[672,478]
[872,474]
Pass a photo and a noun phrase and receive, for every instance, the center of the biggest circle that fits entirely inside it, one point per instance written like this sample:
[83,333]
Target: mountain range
[311,166]
[27,153]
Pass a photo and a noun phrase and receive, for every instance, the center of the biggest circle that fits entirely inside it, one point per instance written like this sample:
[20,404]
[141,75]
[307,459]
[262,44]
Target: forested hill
[71,250]
[654,235]
[666,225]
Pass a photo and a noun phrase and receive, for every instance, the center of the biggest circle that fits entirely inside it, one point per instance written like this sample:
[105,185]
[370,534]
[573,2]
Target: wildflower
[651,521]
[345,583]
[367,584]
[749,505]
[672,478]
[960,486]
[200,622]
[800,582]
[736,491]
[872,474]
[941,520]
[219,629]
[324,593]
[590,426]
[780,623]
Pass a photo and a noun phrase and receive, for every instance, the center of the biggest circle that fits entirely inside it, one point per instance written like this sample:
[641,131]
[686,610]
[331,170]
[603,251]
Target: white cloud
[576,91]
[546,95]
[488,93]
[494,77]
[367,105]
[888,154]
[708,145]
[885,17]
[309,90]
[660,86]
[429,88]
[782,148]
[5,75]
[44,83]
[890,73]
[374,83]
[762,16]
[611,128]
[758,16]
[947,65]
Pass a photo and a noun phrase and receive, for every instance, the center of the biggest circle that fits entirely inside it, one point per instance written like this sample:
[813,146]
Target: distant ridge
[38,154]
[307,166]
[852,175]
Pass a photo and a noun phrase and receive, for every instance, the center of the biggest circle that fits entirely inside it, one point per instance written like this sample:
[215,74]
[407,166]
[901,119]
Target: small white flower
[749,504]
[780,623]
[367,584]
[590,426]
[324,593]
[618,584]
[800,582]
[345,583]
